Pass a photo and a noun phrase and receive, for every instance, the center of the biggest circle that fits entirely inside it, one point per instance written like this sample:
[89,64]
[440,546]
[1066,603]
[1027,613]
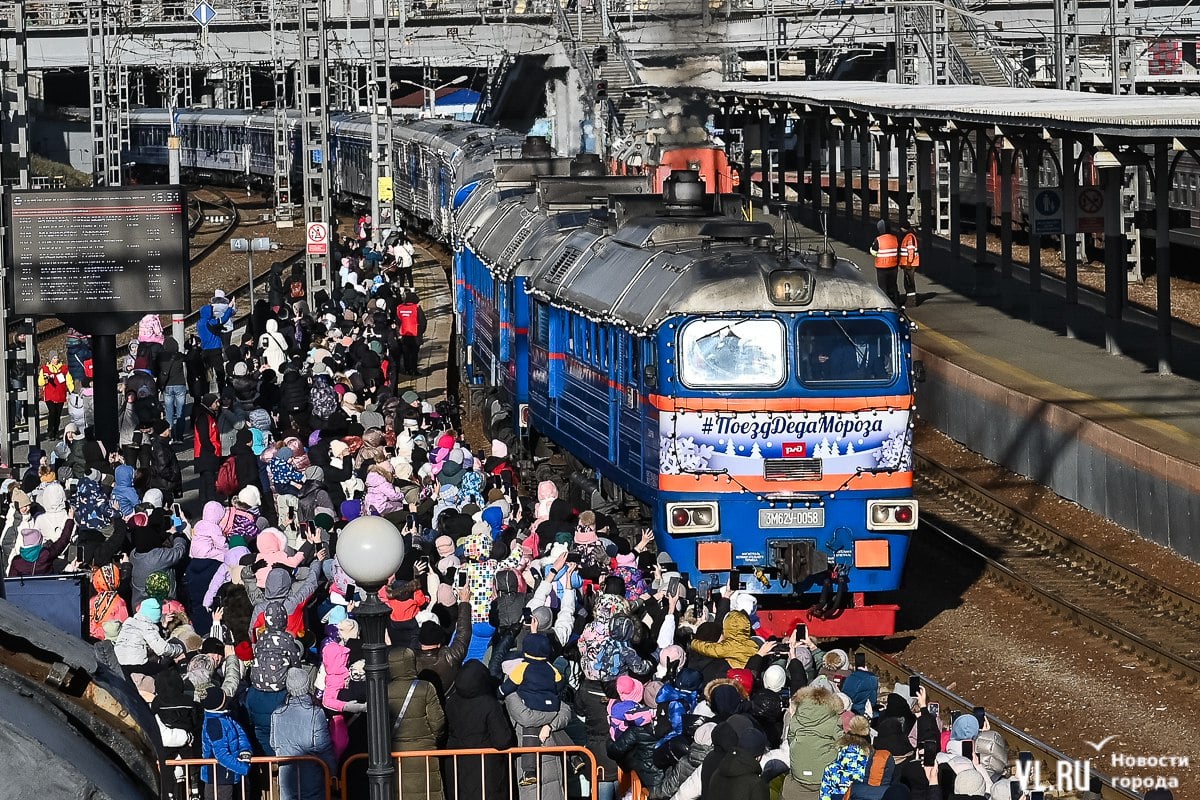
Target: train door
[556,356]
[628,404]
[646,376]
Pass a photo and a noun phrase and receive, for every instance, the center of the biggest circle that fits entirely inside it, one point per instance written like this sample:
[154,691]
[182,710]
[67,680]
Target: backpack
[323,400]
[607,660]
[227,480]
[295,623]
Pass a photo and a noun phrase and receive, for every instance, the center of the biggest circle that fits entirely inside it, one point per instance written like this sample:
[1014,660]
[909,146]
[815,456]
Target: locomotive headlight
[892,515]
[692,518]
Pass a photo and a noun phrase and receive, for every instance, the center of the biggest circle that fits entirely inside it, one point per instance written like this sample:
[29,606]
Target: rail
[985,43]
[1172,600]
[891,671]
[572,759]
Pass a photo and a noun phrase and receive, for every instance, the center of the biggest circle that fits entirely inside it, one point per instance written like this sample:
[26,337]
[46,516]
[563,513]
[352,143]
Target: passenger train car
[752,404]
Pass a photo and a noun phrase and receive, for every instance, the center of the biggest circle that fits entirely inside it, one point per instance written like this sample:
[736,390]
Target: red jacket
[55,387]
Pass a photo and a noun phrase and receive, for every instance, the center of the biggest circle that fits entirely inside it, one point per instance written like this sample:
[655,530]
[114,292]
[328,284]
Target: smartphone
[914,685]
[801,631]
[980,714]
[1014,790]
[968,749]
[929,754]
[1037,796]
[954,715]
[672,586]
[177,510]
[411,521]
[526,615]
[692,595]
[934,709]
[860,660]
[460,578]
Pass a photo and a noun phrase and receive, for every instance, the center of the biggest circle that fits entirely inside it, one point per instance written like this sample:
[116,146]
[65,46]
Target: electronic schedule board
[114,250]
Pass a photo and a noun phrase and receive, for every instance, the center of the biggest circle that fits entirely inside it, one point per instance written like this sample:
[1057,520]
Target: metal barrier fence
[265,781]
[522,773]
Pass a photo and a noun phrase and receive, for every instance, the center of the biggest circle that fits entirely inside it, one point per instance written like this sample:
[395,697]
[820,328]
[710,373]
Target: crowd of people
[515,619]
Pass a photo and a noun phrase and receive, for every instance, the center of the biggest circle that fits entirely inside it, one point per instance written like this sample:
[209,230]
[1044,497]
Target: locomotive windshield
[732,352]
[841,350]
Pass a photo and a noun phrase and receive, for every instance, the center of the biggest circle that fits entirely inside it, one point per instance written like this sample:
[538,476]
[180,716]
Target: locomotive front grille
[792,469]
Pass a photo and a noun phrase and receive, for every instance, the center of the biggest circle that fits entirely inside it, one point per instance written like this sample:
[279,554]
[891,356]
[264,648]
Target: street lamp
[431,91]
[261,244]
[370,550]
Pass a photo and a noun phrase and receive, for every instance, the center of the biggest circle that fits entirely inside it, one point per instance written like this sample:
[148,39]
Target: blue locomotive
[750,402]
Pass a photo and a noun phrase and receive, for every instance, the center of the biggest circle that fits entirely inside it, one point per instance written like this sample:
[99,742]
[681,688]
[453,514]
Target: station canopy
[1132,116]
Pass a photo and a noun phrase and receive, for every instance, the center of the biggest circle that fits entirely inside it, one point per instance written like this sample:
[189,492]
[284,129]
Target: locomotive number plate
[791,518]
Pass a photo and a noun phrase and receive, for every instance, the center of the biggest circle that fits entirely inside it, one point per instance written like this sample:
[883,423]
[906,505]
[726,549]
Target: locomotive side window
[841,350]
[742,353]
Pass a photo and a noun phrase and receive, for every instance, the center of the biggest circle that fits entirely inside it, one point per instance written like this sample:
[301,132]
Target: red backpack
[227,480]
[295,623]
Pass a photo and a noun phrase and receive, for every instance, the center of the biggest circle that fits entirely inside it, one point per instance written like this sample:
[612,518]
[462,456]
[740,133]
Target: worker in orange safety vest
[910,259]
[886,249]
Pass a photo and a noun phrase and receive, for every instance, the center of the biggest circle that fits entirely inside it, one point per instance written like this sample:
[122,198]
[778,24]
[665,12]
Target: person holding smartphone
[861,685]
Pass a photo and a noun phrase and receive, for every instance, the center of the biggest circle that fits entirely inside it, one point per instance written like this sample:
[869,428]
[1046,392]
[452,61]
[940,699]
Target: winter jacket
[158,559]
[272,549]
[170,365]
[299,728]
[210,339]
[225,741]
[738,777]
[43,559]
[420,728]
[634,749]
[674,776]
[107,604]
[381,497]
[606,650]
[206,439]
[273,346]
[280,586]
[861,687]
[123,491]
[335,658]
[275,652]
[139,639]
[293,392]
[441,666]
[475,719]
[849,766]
[736,646]
[812,737]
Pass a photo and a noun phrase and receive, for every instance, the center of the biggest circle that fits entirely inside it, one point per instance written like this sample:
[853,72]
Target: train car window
[844,350]
[727,351]
[541,328]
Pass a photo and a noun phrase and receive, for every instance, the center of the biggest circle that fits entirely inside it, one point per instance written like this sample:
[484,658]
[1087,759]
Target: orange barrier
[629,783]
[570,760]
[181,777]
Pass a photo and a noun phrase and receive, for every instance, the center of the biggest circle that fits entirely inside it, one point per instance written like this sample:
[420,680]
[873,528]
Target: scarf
[31,553]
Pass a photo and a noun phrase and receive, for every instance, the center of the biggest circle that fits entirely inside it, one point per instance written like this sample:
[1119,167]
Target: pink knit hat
[31,537]
[629,688]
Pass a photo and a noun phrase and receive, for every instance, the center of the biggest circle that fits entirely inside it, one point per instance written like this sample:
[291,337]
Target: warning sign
[317,238]
[1089,210]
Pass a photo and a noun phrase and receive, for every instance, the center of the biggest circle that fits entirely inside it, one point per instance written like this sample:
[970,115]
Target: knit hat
[31,537]
[324,518]
[249,496]
[150,610]
[774,678]
[965,727]
[544,616]
[153,497]
[214,699]
[297,682]
[499,449]
[244,651]
[19,498]
[536,646]
[335,615]
[743,676]
[451,474]
[430,634]
[444,545]
[410,397]
[240,368]
[753,742]
[371,419]
[158,585]
[629,688]
[970,783]
[585,531]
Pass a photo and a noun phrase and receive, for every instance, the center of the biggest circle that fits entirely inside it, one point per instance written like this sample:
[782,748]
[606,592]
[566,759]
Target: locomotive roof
[608,278]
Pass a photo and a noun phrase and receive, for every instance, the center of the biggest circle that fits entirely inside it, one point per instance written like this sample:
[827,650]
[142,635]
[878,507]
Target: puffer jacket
[52,520]
[736,646]
[272,549]
[420,728]
[299,728]
[481,572]
[139,639]
[293,391]
[634,749]
[208,540]
[381,497]
[335,658]
[275,653]
[43,561]
[812,736]
[674,776]
[609,653]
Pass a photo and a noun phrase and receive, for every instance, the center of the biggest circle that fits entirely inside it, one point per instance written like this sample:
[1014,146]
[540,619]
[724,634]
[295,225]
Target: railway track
[891,671]
[1158,624]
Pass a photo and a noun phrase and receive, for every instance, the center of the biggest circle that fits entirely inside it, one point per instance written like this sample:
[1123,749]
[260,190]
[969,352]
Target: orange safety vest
[887,251]
[910,256]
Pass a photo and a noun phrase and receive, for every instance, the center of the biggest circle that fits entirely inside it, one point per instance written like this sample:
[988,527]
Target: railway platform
[1005,380]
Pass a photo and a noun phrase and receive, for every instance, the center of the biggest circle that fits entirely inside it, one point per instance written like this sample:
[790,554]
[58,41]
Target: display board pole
[104,370]
[34,404]
[5,423]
